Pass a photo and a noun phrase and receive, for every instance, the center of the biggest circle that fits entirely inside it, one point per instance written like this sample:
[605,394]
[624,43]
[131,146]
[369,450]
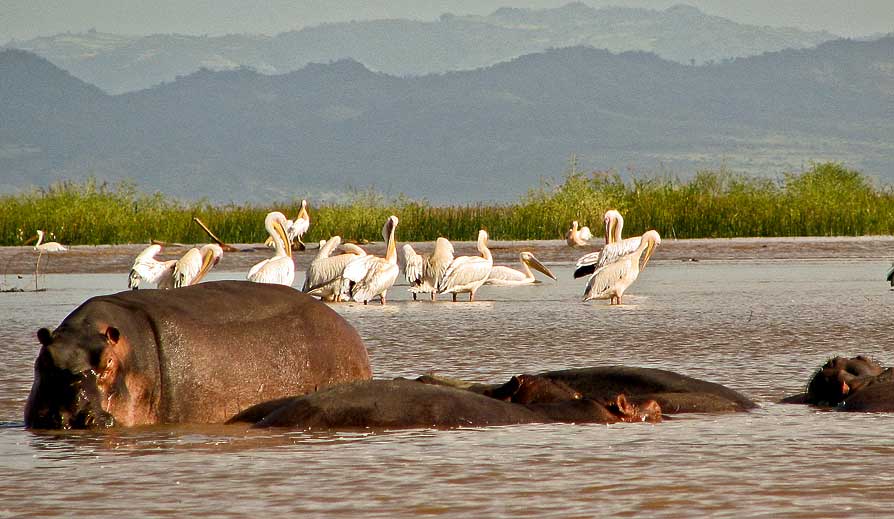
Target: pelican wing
[380,276]
[605,278]
[298,228]
[187,268]
[148,253]
[501,275]
[414,265]
[277,270]
[593,261]
[464,273]
[585,234]
[440,260]
[324,271]
[328,247]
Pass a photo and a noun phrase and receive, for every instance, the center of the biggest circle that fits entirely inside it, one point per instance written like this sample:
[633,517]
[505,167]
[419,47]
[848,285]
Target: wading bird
[323,275]
[578,237]
[147,268]
[192,267]
[610,281]
[424,272]
[280,269]
[614,248]
[369,276]
[41,248]
[507,276]
[468,273]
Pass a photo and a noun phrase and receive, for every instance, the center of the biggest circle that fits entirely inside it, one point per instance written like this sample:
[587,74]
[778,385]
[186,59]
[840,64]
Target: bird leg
[454,297]
[414,296]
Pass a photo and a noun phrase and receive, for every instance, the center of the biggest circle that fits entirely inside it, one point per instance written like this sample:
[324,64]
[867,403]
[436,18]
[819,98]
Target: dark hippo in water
[675,393]
[850,384]
[196,354]
[405,403]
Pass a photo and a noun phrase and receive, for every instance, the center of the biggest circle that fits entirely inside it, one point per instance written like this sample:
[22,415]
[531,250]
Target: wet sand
[87,259]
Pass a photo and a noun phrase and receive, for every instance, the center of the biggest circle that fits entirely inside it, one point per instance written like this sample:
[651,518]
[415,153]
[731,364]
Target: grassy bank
[826,200]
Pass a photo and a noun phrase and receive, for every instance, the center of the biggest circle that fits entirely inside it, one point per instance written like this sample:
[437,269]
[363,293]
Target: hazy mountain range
[118,63]
[485,134]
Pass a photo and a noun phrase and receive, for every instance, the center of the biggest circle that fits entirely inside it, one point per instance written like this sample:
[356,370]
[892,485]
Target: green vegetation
[826,200]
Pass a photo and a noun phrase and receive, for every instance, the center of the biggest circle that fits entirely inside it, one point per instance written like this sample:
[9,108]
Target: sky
[23,19]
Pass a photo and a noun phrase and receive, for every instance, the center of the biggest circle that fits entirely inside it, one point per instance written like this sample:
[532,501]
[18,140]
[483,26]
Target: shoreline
[99,259]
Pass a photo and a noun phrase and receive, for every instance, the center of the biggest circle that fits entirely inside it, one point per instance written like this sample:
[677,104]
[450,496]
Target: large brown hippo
[196,354]
[405,403]
[849,384]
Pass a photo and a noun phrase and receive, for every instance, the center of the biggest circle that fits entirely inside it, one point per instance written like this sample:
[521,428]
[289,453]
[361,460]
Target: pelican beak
[650,248]
[535,264]
[609,230]
[281,232]
[208,261]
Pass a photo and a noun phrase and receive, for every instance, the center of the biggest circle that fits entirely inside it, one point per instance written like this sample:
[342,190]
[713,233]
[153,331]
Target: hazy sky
[28,18]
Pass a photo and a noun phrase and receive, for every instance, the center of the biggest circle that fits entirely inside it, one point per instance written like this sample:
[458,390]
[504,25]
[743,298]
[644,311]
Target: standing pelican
[280,269]
[296,229]
[424,272]
[468,273]
[506,276]
[323,275]
[610,281]
[371,276]
[614,248]
[577,237]
[147,268]
[192,267]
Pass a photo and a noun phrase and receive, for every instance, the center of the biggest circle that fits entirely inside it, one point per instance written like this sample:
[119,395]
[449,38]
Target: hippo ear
[112,335]
[44,336]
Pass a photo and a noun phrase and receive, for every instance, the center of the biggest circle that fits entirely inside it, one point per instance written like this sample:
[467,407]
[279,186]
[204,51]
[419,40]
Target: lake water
[759,326]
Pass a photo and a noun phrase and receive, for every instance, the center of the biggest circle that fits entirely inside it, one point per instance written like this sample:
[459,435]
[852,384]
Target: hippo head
[80,379]
[839,377]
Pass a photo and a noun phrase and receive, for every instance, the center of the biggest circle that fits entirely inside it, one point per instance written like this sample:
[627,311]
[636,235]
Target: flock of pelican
[354,275]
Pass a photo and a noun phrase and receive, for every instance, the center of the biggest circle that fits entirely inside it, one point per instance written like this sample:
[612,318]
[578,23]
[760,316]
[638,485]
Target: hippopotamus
[195,354]
[403,403]
[674,393]
[849,384]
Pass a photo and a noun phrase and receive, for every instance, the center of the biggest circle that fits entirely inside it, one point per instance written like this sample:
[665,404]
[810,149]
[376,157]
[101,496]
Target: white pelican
[50,246]
[506,276]
[280,269]
[468,273]
[296,228]
[614,248]
[192,267]
[323,275]
[371,276]
[147,268]
[610,281]
[577,237]
[424,272]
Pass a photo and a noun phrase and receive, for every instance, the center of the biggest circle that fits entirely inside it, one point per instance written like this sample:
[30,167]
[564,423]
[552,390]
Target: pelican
[577,237]
[50,246]
[280,269]
[890,275]
[323,275]
[614,248]
[296,228]
[610,281]
[147,268]
[192,267]
[468,273]
[371,276]
[424,272]
[506,276]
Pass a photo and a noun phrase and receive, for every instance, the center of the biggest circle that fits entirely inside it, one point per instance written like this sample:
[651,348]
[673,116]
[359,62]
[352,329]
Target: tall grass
[826,200]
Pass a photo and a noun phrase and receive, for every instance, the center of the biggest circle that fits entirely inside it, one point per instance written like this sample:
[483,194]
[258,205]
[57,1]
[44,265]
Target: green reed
[826,200]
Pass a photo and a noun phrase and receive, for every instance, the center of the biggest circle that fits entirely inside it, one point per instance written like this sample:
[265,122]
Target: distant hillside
[404,47]
[486,134]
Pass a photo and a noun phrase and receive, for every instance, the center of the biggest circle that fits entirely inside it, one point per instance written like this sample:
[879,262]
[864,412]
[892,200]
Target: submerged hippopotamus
[849,384]
[196,354]
[403,403]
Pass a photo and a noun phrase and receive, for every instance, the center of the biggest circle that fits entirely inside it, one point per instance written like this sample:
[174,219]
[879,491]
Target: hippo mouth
[76,404]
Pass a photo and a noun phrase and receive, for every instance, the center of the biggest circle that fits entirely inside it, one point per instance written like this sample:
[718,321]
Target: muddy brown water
[756,315]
